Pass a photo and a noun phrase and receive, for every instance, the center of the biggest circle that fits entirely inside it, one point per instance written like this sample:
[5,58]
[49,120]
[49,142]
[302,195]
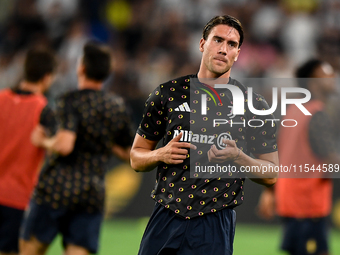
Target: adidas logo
[183,108]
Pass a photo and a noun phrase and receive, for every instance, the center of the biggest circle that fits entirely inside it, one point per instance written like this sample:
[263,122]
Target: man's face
[220,50]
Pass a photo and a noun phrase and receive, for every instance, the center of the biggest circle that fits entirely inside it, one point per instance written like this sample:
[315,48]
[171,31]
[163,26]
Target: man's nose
[223,49]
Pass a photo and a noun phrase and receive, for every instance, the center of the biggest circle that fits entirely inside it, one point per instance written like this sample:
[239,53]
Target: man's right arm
[144,157]
[266,204]
[61,143]
[48,136]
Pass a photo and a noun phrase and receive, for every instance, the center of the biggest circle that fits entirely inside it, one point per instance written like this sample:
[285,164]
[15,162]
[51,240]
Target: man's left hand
[229,153]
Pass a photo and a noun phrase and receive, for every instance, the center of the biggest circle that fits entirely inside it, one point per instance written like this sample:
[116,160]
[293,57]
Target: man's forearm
[144,160]
[144,157]
[267,178]
[48,143]
[121,152]
[62,143]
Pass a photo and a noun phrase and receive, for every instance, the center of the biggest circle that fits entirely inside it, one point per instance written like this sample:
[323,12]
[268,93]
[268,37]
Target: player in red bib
[22,109]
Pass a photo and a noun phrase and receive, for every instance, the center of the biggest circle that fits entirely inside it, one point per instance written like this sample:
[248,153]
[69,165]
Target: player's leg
[210,234]
[321,233]
[80,230]
[314,237]
[39,227]
[291,235]
[32,247]
[163,234]
[72,249]
[10,219]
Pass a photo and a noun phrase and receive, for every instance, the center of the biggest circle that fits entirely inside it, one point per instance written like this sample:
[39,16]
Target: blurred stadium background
[156,40]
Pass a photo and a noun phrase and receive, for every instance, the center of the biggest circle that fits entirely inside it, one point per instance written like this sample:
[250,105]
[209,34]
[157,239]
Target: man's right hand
[266,204]
[38,135]
[175,152]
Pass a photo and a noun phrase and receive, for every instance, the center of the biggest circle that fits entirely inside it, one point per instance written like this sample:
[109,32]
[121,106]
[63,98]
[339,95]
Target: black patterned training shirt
[172,108]
[77,180]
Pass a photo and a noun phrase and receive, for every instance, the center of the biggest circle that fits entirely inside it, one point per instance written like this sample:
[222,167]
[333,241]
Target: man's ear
[238,53]
[202,42]
[47,80]
[80,69]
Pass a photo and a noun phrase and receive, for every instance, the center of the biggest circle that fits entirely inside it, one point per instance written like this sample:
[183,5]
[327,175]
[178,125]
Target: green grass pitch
[122,237]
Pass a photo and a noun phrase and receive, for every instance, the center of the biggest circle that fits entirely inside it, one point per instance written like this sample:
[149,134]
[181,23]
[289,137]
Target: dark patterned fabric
[321,135]
[77,180]
[170,110]
[48,120]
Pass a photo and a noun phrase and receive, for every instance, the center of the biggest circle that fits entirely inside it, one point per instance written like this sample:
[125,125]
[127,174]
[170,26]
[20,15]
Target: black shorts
[77,227]
[305,236]
[10,221]
[168,234]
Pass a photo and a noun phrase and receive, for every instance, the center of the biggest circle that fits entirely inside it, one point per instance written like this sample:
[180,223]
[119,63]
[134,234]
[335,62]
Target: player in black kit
[194,213]
[69,196]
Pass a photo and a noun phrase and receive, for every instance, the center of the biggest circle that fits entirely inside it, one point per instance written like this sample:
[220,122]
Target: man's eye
[218,40]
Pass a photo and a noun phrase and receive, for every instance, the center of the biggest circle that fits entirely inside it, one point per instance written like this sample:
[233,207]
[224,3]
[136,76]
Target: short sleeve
[261,133]
[67,116]
[321,135]
[48,120]
[153,124]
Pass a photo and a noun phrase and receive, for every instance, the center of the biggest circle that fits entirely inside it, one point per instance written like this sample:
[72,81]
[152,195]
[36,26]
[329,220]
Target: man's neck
[209,78]
[35,88]
[321,98]
[318,94]
[90,84]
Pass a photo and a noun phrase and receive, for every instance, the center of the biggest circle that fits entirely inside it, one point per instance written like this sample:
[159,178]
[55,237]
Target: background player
[69,197]
[22,109]
[304,203]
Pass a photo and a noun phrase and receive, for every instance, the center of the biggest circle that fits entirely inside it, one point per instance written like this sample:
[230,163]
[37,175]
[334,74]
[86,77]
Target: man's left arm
[261,142]
[238,157]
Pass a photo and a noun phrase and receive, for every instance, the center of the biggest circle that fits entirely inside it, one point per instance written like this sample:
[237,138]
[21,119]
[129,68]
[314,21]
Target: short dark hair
[38,63]
[96,61]
[306,70]
[224,20]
